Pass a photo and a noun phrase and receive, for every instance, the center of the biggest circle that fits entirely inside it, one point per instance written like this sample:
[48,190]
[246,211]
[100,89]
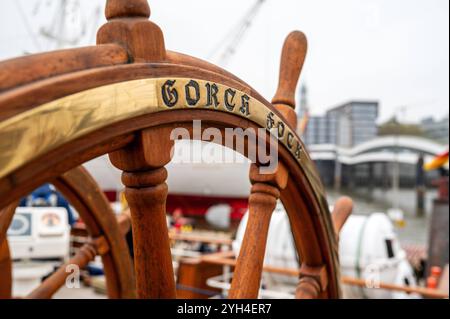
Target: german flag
[437,162]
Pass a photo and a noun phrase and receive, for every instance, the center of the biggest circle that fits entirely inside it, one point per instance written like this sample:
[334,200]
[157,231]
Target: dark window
[406,282]
[390,249]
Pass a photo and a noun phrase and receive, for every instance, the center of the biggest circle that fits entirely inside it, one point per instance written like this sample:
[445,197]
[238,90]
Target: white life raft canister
[368,249]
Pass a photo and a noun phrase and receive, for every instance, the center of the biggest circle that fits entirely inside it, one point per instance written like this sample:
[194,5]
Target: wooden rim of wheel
[105,239]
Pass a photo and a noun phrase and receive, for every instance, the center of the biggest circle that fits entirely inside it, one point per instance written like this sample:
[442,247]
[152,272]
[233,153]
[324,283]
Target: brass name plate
[33,133]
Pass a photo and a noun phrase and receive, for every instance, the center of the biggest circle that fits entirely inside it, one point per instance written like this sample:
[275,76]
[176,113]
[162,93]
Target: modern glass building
[346,125]
[317,131]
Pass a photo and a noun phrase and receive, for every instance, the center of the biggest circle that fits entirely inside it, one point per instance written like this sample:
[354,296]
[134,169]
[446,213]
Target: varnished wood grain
[313,282]
[342,210]
[6,216]
[5,270]
[265,192]
[247,275]
[126,8]
[45,65]
[146,192]
[128,25]
[292,59]
[26,97]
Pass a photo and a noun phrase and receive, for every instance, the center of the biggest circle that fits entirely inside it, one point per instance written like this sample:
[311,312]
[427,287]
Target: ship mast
[68,27]
[58,32]
[227,47]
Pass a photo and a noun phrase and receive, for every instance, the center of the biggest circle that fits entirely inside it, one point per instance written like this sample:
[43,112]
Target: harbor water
[415,229]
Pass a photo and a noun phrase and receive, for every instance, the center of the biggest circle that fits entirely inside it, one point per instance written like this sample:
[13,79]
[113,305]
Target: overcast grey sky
[394,51]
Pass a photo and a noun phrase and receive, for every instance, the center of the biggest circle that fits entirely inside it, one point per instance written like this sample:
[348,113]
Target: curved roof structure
[380,149]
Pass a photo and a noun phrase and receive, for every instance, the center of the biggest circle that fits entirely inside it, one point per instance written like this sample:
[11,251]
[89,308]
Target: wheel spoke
[313,282]
[146,192]
[81,190]
[53,283]
[84,255]
[262,201]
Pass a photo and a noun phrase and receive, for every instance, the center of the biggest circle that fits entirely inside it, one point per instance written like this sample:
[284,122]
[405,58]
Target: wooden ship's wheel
[124,97]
